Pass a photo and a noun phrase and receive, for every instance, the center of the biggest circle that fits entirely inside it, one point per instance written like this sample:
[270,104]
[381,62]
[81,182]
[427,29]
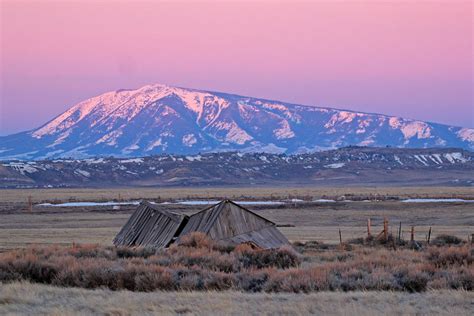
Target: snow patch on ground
[61,138]
[458,156]
[335,165]
[133,147]
[197,102]
[417,157]
[132,160]
[341,117]
[466,134]
[154,144]
[94,161]
[270,148]
[438,157]
[284,131]
[194,158]
[21,167]
[367,142]
[189,140]
[454,157]
[82,173]
[110,138]
[433,159]
[397,159]
[437,201]
[395,122]
[235,134]
[416,128]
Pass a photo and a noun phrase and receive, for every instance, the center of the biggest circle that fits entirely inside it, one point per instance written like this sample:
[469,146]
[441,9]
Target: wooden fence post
[368,228]
[30,204]
[385,229]
[429,235]
[412,234]
[400,232]
[472,239]
[340,236]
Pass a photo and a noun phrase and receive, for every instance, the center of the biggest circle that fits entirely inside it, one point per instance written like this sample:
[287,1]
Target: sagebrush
[202,264]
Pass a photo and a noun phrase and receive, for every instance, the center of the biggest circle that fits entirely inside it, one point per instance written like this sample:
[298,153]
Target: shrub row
[200,264]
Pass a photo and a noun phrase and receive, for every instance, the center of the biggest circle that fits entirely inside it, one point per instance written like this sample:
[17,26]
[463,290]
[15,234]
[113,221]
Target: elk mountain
[158,119]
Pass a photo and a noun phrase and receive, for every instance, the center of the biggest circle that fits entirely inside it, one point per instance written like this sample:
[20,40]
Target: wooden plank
[149,226]
[227,220]
[266,238]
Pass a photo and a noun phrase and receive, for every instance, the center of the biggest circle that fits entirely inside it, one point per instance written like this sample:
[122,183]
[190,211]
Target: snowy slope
[354,165]
[162,119]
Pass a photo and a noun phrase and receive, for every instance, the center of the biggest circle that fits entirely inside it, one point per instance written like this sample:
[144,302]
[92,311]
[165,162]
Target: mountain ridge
[345,166]
[156,119]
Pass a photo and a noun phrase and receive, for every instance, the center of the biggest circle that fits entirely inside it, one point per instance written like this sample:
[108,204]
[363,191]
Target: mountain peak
[158,118]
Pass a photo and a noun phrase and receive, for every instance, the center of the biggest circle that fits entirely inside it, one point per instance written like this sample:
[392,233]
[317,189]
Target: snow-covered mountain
[159,119]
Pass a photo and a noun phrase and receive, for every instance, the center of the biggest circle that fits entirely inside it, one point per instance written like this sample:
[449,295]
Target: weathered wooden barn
[230,222]
[226,221]
[150,226]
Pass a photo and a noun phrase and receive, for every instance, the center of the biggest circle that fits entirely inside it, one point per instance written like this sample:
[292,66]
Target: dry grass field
[311,221]
[51,225]
[106,194]
[27,299]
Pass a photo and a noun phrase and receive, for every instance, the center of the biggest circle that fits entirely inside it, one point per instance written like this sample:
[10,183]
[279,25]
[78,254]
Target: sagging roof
[266,238]
[150,226]
[225,221]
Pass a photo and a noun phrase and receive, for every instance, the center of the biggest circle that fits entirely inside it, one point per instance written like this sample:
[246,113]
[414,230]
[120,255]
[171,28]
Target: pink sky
[406,58]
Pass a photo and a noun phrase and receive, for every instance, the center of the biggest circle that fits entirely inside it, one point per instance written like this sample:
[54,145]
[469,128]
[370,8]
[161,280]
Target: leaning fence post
[340,236]
[429,235]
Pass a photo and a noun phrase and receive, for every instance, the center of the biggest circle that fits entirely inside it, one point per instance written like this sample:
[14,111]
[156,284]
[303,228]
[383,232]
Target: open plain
[311,217]
[305,215]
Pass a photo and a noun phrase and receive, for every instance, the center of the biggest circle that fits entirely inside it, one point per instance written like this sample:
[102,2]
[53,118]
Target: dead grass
[107,194]
[57,225]
[445,268]
[26,299]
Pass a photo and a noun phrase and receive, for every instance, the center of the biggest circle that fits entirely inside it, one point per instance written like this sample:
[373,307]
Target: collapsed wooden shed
[225,221]
[230,222]
[150,226]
